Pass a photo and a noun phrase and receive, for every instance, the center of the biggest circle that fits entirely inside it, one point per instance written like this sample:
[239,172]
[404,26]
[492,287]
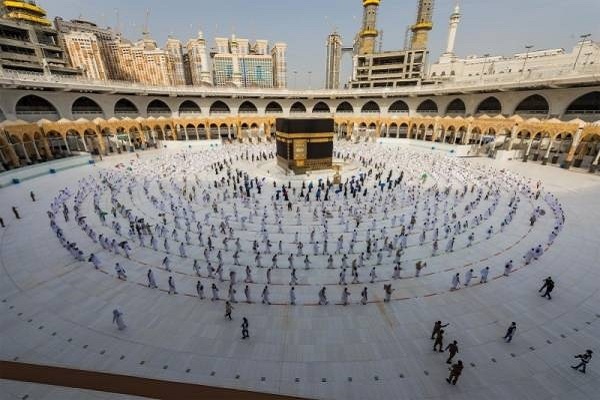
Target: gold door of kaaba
[304,144]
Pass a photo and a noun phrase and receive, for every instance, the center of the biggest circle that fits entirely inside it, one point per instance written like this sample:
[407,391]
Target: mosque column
[46,146]
[25,152]
[12,155]
[569,159]
[545,158]
[186,134]
[594,165]
[66,144]
[526,155]
[85,148]
[37,153]
[229,132]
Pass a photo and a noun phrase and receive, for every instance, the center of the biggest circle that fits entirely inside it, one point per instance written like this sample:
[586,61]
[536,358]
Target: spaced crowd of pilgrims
[210,224]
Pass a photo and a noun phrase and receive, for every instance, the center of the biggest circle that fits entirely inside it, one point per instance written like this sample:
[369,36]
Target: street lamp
[527,48]
[583,37]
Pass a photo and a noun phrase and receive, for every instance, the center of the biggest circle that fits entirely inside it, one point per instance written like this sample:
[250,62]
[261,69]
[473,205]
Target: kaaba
[304,144]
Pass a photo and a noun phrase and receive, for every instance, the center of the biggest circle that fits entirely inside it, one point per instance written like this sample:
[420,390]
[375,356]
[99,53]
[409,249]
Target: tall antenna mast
[381,40]
[145,32]
[118,27]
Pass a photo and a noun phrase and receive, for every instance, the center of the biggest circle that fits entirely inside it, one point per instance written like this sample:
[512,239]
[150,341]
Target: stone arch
[190,130]
[219,107]
[56,144]
[274,108]
[75,140]
[344,107]
[298,107]
[224,131]
[587,150]
[403,131]
[87,108]
[321,107]
[490,106]
[399,106]
[587,104]
[427,107]
[202,132]
[534,104]
[456,107]
[29,146]
[32,108]
[189,107]
[214,131]
[247,107]
[157,108]
[125,108]
[370,107]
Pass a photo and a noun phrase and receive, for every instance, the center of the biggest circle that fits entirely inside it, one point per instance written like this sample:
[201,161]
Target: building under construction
[373,68]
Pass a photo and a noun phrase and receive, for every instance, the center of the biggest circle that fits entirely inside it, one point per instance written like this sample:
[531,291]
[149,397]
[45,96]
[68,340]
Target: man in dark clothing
[510,332]
[585,359]
[2,222]
[32,196]
[455,372]
[436,328]
[439,341]
[452,349]
[549,286]
[245,333]
[16,212]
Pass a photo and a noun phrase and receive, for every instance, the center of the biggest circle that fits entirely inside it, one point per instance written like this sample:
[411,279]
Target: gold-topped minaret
[27,11]
[420,30]
[367,37]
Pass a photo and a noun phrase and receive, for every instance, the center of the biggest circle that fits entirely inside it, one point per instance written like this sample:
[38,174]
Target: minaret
[423,25]
[367,37]
[334,59]
[454,20]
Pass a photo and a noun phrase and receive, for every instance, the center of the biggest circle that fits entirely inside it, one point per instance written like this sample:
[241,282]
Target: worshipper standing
[172,286]
[484,274]
[120,272]
[455,282]
[200,290]
[549,286]
[510,332]
[94,260]
[16,212]
[118,319]
[455,372]
[293,296]
[584,358]
[364,296]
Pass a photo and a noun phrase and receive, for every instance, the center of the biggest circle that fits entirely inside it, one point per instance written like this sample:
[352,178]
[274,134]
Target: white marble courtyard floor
[56,311]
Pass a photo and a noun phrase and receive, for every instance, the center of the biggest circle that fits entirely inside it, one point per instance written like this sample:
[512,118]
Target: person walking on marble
[549,286]
[228,310]
[455,372]
[510,332]
[439,341]
[452,349]
[436,328]
[584,360]
[151,280]
[15,211]
[323,297]
[200,290]
[345,296]
[455,282]
[484,275]
[118,319]
[172,289]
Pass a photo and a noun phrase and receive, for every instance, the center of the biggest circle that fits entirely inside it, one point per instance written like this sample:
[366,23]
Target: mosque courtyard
[227,224]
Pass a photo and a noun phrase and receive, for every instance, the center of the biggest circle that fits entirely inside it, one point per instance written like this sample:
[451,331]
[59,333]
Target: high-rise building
[28,41]
[84,53]
[334,61]
[420,30]
[197,61]
[279,65]
[107,42]
[175,51]
[237,63]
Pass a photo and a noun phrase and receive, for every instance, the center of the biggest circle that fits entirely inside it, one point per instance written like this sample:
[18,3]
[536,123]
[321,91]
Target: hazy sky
[487,26]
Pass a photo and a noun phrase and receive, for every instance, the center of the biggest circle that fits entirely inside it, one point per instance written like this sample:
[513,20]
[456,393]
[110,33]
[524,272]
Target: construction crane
[145,32]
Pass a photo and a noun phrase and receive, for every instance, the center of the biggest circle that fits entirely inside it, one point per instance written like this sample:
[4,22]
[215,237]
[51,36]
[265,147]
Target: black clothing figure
[228,309]
[439,341]
[510,332]
[436,328]
[455,372]
[585,359]
[2,222]
[17,216]
[32,196]
[549,286]
[245,333]
[452,349]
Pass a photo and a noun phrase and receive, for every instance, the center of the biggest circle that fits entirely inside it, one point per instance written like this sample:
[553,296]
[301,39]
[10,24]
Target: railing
[584,73]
